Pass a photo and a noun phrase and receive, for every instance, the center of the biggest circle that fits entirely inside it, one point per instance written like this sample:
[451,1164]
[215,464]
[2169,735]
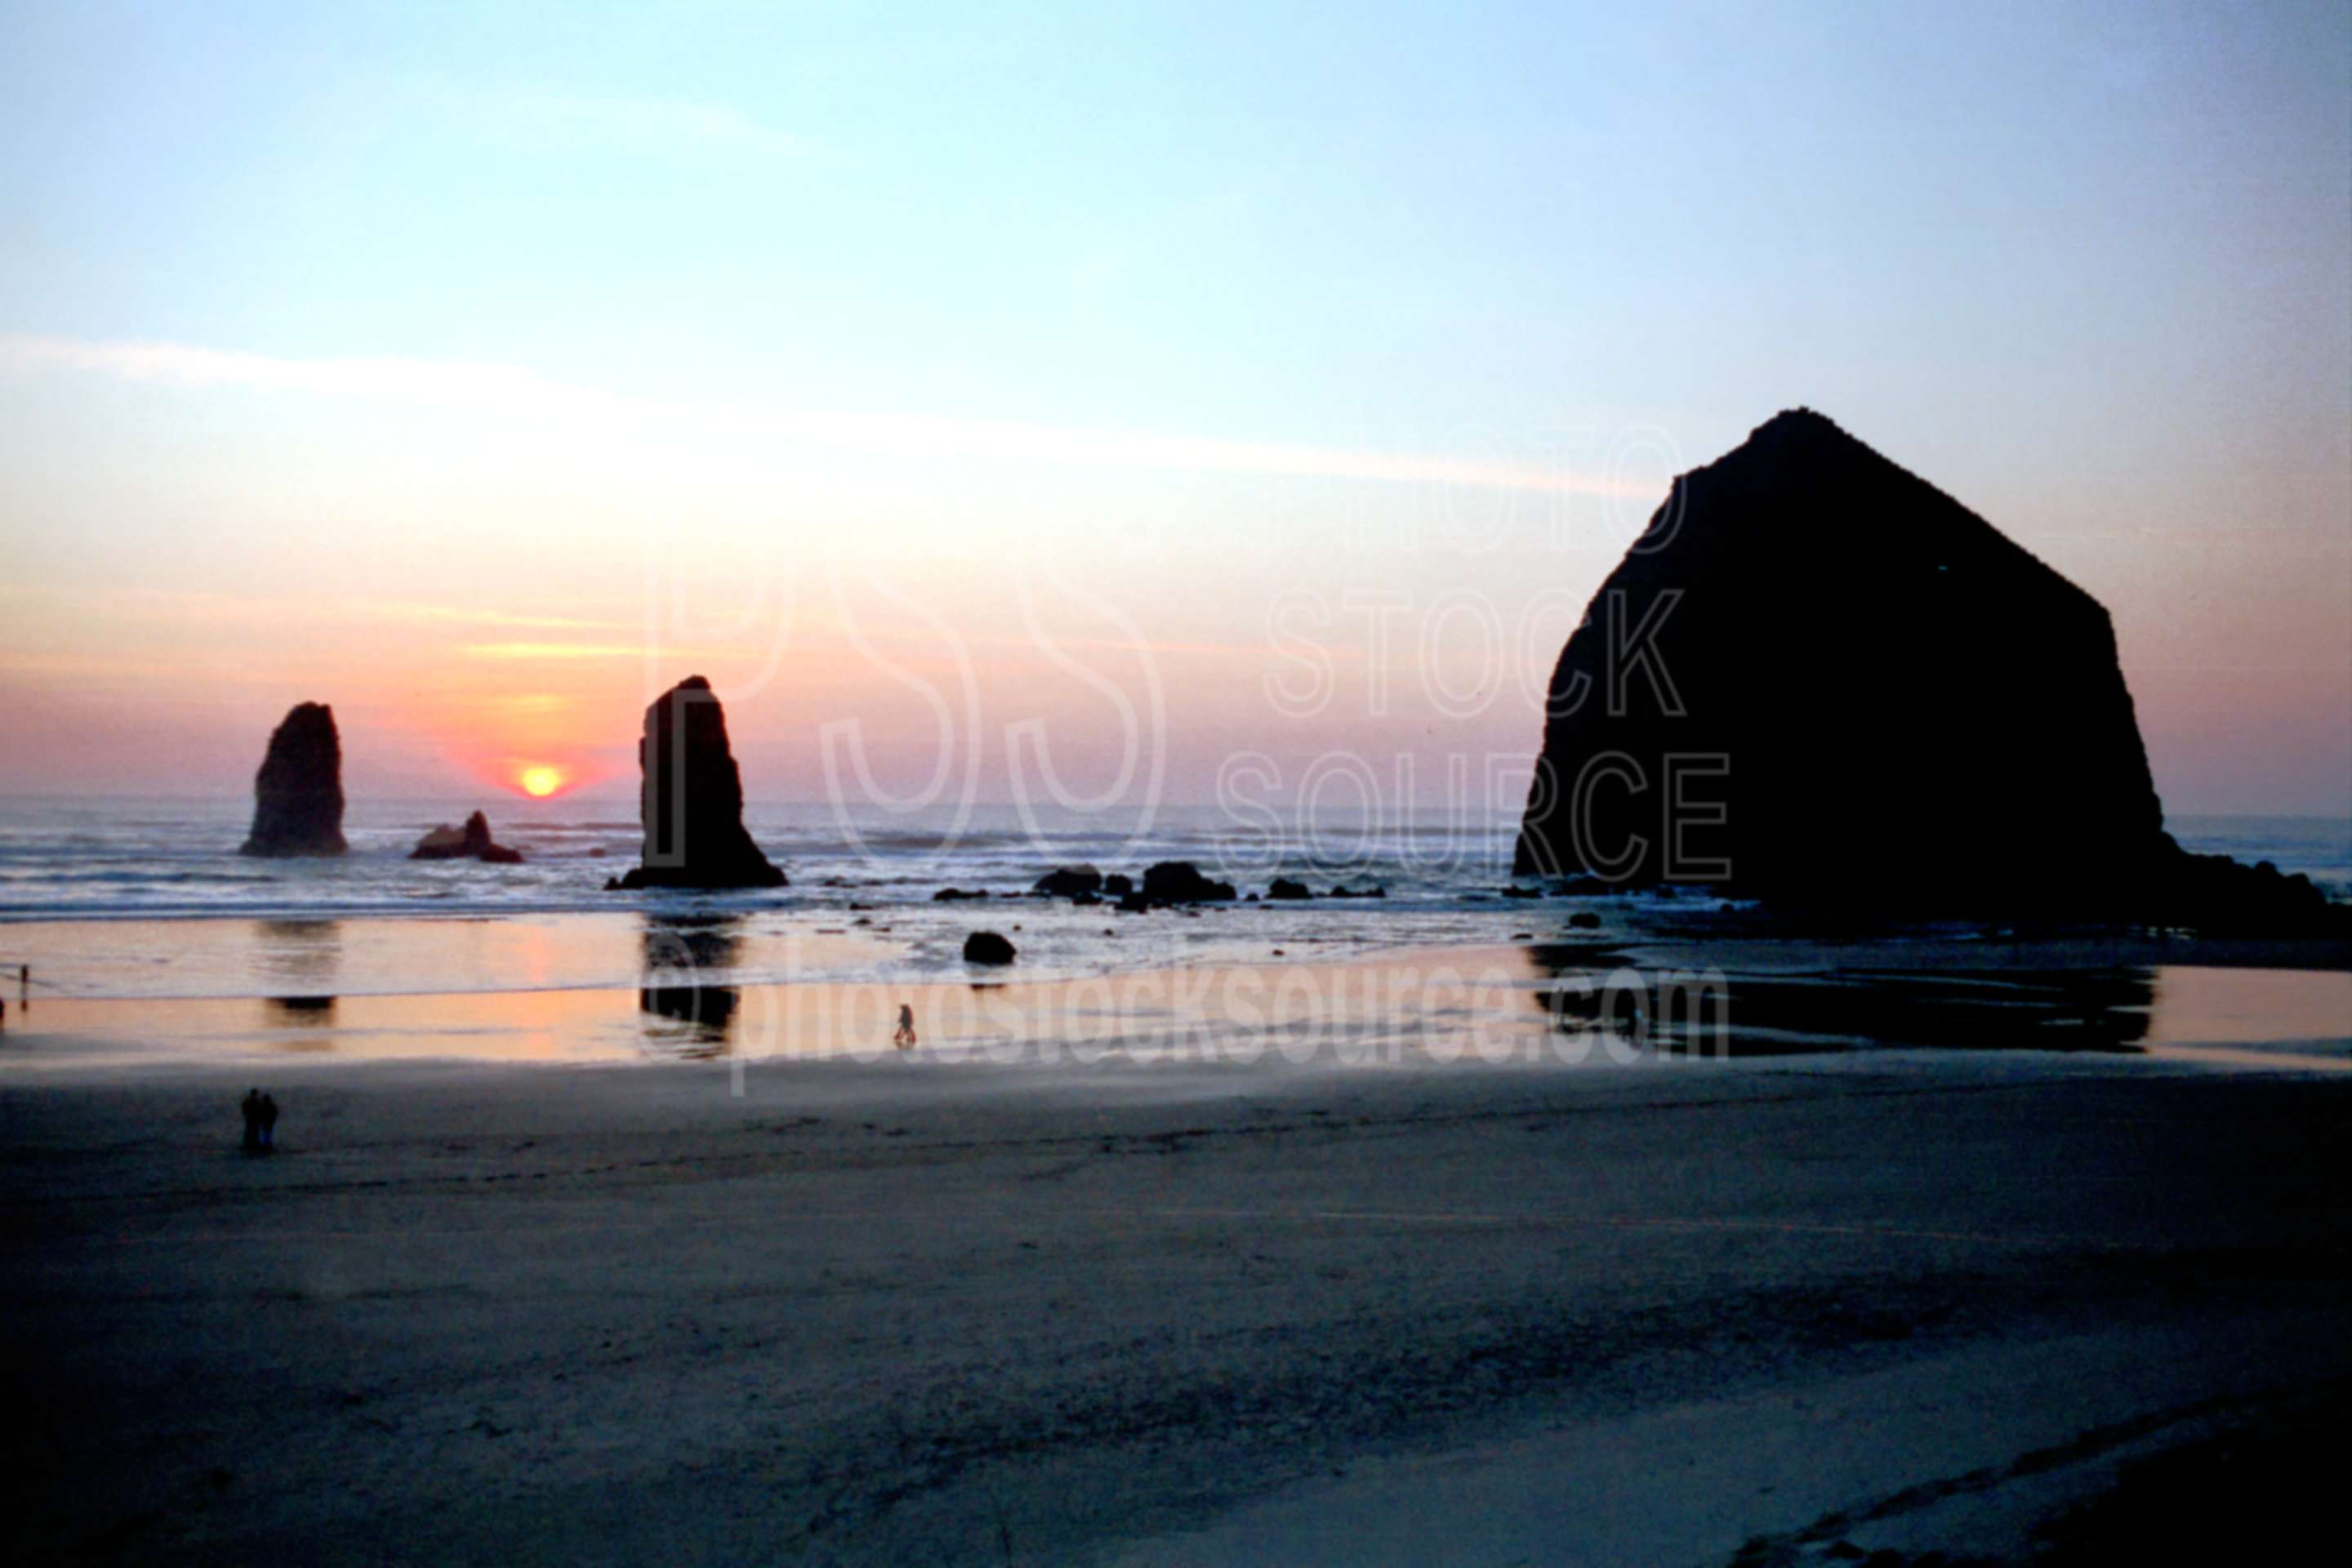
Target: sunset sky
[1153,385]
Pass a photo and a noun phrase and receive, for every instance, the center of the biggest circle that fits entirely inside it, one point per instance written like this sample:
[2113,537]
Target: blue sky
[2088,266]
[1196,218]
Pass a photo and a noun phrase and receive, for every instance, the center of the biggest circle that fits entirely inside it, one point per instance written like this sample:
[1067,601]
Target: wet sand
[1159,1308]
[1562,1001]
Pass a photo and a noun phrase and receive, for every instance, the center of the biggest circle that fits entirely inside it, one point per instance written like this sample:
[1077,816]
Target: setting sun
[541,781]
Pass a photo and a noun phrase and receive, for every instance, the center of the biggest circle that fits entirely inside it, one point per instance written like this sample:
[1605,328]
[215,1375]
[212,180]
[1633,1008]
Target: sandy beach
[1162,1309]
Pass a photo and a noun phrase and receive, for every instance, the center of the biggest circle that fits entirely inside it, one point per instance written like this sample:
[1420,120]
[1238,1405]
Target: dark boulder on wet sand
[987,947]
[1284,888]
[1069,882]
[297,796]
[471,842]
[1181,882]
[690,799]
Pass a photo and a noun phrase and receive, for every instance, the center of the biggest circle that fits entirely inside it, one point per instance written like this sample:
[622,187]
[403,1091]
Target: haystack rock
[297,796]
[1882,701]
[471,842]
[691,799]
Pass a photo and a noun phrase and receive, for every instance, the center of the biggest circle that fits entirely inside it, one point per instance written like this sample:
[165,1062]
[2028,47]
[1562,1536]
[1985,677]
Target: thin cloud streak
[557,650]
[158,605]
[510,392]
[493,618]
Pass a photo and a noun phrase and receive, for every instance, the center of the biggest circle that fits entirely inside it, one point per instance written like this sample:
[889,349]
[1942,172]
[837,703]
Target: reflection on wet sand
[679,951]
[316,1013]
[307,954]
[2093,1010]
[1559,1004]
[1742,1014]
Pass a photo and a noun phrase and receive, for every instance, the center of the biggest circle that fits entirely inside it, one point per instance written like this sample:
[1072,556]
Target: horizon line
[246,794]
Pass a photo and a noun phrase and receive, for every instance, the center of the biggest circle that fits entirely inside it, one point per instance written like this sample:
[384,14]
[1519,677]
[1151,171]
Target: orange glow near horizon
[540,780]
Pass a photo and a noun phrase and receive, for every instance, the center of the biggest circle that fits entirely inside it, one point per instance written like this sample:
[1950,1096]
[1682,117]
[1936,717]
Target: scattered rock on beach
[1070,881]
[987,947]
[444,842]
[1181,882]
[1117,885]
[297,796]
[1584,919]
[956,895]
[471,842]
[690,799]
[1284,888]
[1345,891]
[2219,896]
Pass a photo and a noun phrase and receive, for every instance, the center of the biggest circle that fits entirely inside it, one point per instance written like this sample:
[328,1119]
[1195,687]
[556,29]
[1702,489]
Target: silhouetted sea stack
[691,799]
[1893,706]
[472,842]
[297,796]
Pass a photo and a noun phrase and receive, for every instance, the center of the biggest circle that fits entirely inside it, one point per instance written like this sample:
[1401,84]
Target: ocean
[147,897]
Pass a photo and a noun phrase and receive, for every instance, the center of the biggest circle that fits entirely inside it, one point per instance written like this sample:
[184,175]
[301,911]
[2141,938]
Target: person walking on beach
[267,1114]
[250,1106]
[903,1037]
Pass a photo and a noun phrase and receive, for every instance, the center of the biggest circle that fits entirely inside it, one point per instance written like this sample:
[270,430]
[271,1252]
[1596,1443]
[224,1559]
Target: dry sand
[1681,1311]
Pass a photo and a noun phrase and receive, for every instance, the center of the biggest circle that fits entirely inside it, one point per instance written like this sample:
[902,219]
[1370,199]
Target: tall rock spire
[691,799]
[297,796]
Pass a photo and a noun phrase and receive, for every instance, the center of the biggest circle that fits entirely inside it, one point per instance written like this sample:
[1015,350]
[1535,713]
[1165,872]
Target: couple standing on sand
[261,1122]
